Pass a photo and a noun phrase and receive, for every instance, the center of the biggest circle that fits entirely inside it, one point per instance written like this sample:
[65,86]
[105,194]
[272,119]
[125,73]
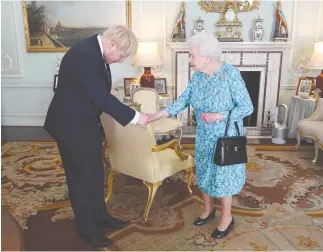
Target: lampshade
[316,61]
[147,54]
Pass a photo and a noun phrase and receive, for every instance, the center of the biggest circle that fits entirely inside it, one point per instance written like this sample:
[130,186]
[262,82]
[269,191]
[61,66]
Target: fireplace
[260,65]
[252,81]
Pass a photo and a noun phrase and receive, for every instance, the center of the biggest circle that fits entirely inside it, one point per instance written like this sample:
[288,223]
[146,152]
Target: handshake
[145,119]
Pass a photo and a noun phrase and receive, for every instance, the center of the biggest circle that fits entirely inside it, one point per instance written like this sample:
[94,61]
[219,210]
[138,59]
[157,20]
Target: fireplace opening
[252,81]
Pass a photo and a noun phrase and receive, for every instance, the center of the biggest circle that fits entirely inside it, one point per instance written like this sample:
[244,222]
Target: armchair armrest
[318,112]
[171,144]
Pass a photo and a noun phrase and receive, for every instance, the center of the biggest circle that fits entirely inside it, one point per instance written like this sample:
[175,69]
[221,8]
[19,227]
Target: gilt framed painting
[55,26]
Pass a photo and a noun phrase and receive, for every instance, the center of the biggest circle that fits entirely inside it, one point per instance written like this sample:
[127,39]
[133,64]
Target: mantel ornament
[221,6]
[229,26]
[258,30]
[178,34]
[281,28]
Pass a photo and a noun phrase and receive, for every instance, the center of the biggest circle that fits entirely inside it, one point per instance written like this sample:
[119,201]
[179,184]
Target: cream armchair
[132,151]
[148,98]
[312,127]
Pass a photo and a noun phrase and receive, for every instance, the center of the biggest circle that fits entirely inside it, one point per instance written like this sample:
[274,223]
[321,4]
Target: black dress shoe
[97,240]
[199,221]
[220,234]
[107,221]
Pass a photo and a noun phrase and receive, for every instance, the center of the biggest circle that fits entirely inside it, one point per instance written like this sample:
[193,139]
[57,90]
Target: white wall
[27,85]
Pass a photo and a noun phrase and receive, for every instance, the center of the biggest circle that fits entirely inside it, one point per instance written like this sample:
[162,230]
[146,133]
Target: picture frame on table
[127,83]
[161,85]
[305,86]
[55,82]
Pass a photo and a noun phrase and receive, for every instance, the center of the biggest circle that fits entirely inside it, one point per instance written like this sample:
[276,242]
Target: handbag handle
[227,126]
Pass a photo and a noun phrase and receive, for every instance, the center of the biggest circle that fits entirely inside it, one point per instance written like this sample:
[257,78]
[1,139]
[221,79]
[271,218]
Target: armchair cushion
[170,164]
[166,124]
[311,128]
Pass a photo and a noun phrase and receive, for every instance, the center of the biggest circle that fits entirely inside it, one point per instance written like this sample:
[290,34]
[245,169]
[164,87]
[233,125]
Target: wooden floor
[33,133]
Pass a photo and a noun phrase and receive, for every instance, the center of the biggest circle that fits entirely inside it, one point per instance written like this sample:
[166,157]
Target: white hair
[208,45]
[124,37]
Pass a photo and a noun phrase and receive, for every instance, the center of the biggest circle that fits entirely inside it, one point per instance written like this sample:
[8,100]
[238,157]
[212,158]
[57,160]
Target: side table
[299,109]
[164,101]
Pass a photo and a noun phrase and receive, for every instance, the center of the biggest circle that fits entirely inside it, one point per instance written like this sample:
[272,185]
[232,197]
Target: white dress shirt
[137,115]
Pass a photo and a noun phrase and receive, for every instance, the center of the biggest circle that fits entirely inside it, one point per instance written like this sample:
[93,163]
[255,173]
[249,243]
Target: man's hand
[143,120]
[160,115]
[211,117]
[114,92]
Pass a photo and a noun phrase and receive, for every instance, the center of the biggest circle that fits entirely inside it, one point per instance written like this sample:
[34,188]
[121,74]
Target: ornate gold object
[128,13]
[189,179]
[110,184]
[152,189]
[174,144]
[229,26]
[221,6]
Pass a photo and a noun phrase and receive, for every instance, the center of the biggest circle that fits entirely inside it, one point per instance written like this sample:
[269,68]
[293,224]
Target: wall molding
[27,86]
[17,47]
[288,87]
[23,119]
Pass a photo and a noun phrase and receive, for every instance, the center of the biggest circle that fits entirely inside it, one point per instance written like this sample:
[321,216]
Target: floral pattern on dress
[221,92]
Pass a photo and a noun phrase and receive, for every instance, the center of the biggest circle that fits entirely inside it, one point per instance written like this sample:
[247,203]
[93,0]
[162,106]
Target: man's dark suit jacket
[83,92]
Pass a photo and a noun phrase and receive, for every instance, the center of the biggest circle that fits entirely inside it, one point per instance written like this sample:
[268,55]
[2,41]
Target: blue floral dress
[222,92]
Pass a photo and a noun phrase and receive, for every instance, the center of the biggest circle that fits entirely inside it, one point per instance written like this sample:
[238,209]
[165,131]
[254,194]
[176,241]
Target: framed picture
[127,83]
[55,82]
[305,86]
[161,85]
[48,28]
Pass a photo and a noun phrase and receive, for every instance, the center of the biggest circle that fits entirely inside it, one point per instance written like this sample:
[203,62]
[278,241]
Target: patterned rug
[279,208]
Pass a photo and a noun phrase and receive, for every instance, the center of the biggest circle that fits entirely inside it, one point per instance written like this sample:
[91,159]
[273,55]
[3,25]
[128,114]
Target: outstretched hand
[143,120]
[114,92]
[158,116]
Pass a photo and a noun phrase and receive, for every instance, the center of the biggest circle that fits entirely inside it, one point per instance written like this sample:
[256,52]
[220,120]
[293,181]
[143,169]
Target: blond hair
[124,37]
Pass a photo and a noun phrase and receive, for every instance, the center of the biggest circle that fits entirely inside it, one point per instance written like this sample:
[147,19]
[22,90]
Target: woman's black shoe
[220,234]
[199,221]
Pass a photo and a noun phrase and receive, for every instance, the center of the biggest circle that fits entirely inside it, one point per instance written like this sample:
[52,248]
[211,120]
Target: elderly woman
[214,89]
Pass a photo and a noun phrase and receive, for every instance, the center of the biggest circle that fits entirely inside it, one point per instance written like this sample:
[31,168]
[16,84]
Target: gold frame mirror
[46,39]
[221,6]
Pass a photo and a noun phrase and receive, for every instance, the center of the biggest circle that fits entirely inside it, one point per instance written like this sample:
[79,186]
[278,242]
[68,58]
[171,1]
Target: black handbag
[231,150]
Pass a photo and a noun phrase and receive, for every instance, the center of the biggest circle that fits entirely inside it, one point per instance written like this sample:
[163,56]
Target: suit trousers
[84,170]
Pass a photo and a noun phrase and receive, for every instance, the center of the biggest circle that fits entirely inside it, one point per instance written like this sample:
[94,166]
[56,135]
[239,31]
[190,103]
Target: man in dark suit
[83,93]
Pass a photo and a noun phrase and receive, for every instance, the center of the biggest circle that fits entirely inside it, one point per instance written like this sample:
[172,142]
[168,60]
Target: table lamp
[316,62]
[148,58]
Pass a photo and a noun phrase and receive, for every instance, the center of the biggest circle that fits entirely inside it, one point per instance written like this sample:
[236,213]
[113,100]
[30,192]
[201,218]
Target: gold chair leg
[152,189]
[316,148]
[189,179]
[298,138]
[180,137]
[110,184]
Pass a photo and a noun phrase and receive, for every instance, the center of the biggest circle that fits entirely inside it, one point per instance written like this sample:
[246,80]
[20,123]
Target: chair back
[129,149]
[148,98]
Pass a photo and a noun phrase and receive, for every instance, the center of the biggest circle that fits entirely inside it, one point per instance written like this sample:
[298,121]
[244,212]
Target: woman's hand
[211,117]
[160,115]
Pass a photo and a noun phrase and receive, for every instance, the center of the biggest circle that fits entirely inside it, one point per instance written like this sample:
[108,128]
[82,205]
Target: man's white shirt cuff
[136,118]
